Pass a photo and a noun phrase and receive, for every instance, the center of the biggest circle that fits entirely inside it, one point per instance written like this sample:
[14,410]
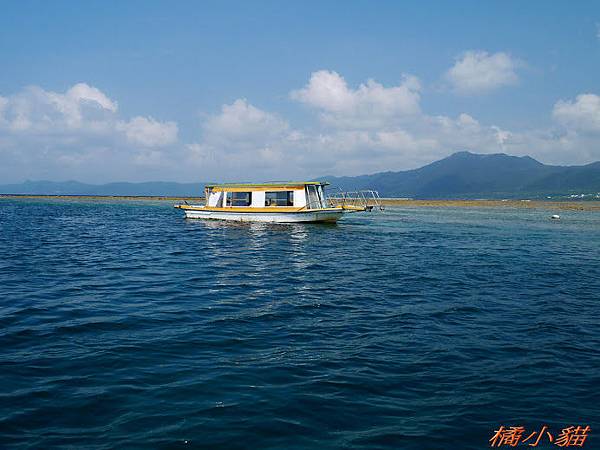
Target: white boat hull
[273,217]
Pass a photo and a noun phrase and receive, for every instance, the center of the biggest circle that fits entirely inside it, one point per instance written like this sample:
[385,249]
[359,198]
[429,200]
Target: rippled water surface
[122,325]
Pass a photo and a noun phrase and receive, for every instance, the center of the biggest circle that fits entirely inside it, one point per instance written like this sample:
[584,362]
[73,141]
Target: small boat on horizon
[282,202]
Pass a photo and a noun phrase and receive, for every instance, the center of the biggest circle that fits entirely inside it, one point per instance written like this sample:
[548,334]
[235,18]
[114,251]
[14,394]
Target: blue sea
[124,326]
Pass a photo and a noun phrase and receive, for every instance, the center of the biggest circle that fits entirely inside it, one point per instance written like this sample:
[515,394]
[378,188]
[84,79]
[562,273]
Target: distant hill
[461,175]
[152,188]
[470,175]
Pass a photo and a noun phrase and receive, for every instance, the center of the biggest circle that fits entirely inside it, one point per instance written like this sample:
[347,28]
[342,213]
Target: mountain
[461,175]
[152,188]
[470,175]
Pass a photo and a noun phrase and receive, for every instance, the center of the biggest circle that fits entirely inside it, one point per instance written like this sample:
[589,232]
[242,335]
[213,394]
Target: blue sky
[192,91]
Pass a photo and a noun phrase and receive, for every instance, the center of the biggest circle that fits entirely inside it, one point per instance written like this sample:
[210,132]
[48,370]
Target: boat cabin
[297,201]
[297,195]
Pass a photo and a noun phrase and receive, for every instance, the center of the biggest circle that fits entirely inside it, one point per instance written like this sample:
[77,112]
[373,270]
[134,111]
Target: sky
[191,91]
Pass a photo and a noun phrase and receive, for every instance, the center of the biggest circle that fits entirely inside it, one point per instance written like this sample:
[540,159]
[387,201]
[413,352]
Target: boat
[283,202]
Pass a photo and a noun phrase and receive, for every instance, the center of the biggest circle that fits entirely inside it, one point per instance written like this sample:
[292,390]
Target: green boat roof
[270,184]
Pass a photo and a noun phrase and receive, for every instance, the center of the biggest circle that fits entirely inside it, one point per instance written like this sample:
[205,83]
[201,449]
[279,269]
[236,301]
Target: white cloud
[244,141]
[369,105]
[82,92]
[200,154]
[583,114]
[3,105]
[81,111]
[149,132]
[35,110]
[239,142]
[478,71]
[466,120]
[360,131]
[241,120]
[77,133]
[375,128]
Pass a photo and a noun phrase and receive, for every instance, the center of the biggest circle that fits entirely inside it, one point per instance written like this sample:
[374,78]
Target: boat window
[321,196]
[219,203]
[227,198]
[313,200]
[279,198]
[215,199]
[239,198]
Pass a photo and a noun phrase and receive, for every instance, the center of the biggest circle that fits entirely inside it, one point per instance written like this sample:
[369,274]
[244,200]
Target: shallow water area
[122,325]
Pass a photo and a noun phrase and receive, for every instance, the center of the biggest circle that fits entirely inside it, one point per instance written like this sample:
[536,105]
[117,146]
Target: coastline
[103,197]
[580,205]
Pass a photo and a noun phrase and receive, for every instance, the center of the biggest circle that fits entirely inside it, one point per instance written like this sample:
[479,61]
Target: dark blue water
[124,326]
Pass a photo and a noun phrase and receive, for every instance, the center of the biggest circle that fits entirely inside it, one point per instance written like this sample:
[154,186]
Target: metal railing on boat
[367,198]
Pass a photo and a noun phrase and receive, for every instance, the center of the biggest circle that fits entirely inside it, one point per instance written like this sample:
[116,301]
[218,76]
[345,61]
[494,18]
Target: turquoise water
[122,325]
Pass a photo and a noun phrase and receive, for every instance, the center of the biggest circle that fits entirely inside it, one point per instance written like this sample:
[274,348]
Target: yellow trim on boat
[257,188]
[353,208]
[251,186]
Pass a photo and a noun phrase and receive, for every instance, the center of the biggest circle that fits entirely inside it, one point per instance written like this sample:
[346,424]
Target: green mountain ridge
[470,175]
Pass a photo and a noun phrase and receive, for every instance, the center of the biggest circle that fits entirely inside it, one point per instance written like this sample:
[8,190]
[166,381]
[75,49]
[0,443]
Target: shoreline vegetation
[577,205]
